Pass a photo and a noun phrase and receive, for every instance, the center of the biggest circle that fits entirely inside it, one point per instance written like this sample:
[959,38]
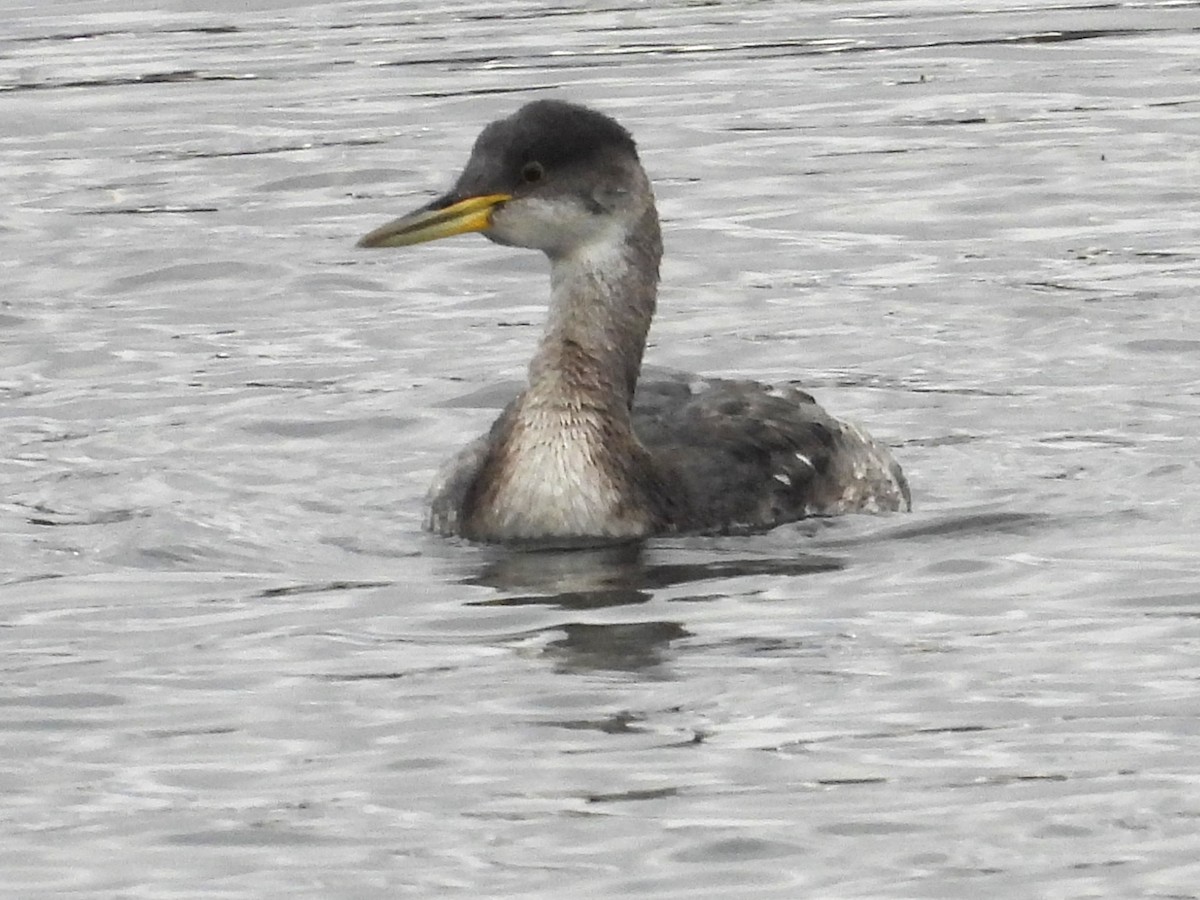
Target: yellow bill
[431,222]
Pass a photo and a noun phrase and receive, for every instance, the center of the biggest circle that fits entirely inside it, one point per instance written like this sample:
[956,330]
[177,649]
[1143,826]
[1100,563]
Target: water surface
[234,665]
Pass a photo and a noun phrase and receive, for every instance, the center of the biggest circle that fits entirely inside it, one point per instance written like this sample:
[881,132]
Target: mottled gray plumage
[586,453]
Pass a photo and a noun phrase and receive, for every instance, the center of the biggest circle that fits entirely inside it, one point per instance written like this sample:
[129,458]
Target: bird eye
[532,172]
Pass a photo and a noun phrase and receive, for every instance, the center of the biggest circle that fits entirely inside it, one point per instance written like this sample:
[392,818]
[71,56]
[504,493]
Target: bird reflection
[616,576]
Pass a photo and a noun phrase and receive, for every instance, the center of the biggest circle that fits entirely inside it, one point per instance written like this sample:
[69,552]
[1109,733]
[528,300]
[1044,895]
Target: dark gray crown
[554,133]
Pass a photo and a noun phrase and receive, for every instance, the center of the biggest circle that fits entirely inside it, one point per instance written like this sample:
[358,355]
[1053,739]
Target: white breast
[551,484]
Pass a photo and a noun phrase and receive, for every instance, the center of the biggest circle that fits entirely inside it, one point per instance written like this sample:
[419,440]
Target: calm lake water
[234,666]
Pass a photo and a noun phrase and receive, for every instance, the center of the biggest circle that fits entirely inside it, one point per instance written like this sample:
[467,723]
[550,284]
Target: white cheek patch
[540,224]
[601,253]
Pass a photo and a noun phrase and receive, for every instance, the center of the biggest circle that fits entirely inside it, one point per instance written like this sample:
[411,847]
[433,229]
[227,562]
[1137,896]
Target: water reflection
[625,647]
[625,575]
[622,575]
[955,524]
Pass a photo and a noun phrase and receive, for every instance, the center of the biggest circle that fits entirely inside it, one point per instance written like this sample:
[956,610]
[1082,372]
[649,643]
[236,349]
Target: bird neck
[602,300]
[565,461]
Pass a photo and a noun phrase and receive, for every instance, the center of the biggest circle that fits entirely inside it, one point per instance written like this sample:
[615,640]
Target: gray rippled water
[235,667]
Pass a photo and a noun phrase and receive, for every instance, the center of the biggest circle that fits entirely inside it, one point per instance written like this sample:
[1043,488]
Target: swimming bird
[587,453]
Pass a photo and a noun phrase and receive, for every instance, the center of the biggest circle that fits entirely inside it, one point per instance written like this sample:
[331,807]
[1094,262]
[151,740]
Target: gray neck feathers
[602,301]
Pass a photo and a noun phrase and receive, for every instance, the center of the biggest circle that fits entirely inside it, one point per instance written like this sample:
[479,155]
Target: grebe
[586,454]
